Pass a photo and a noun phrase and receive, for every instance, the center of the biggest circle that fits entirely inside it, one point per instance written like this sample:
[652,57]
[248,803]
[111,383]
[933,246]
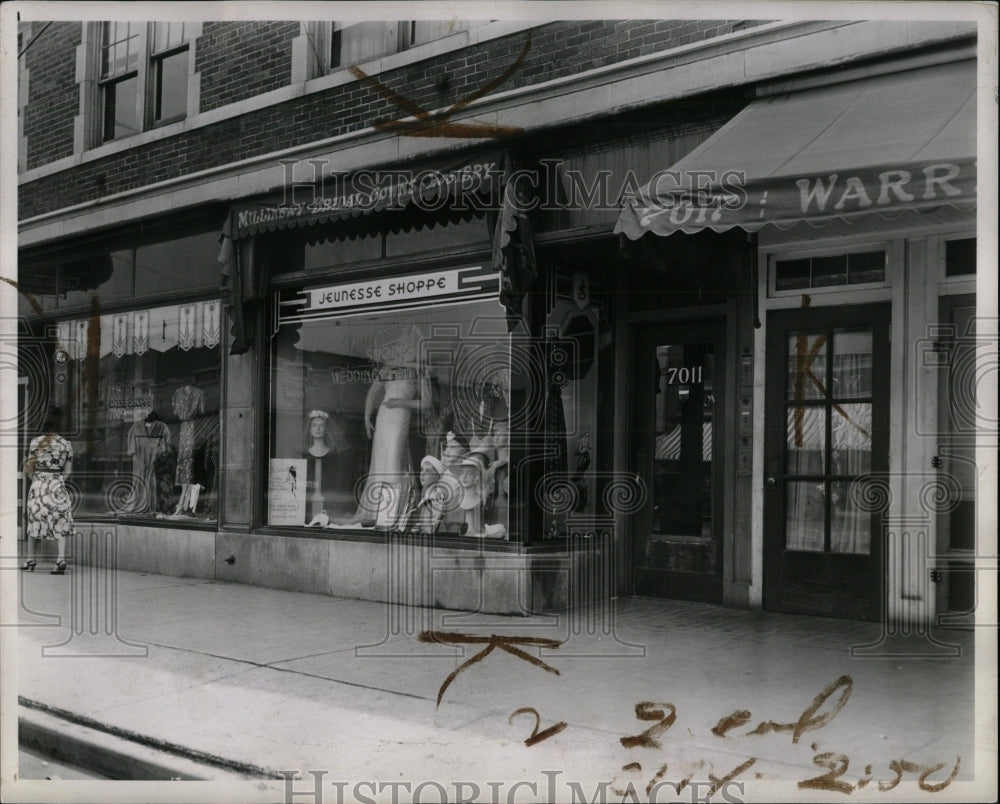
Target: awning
[465,183]
[409,197]
[887,145]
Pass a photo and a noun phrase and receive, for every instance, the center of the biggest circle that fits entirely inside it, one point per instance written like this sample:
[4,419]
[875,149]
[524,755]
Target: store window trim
[325,406]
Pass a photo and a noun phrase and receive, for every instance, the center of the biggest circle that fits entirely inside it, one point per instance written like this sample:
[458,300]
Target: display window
[390,407]
[142,391]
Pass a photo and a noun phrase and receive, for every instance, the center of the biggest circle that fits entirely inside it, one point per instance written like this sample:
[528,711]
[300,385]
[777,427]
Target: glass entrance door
[827,432]
[677,403]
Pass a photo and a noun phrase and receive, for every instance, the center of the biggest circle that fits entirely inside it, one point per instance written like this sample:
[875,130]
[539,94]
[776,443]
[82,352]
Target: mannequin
[470,476]
[437,491]
[188,403]
[322,442]
[496,478]
[147,439]
[399,390]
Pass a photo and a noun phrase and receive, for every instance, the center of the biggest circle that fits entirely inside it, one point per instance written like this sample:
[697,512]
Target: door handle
[772,482]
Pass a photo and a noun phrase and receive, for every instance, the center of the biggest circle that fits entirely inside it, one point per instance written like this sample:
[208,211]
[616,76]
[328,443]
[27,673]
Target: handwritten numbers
[536,735]
[647,710]
[901,766]
[836,765]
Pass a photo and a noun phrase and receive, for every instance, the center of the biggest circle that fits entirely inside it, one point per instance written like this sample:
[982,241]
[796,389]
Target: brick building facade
[144,146]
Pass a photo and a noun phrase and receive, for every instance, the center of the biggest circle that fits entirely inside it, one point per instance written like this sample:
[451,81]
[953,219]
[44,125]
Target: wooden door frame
[708,316]
[873,314]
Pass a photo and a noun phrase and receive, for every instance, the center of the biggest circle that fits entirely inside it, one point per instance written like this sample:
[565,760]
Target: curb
[114,755]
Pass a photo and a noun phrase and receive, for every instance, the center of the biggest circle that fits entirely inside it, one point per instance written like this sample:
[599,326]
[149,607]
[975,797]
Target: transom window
[859,268]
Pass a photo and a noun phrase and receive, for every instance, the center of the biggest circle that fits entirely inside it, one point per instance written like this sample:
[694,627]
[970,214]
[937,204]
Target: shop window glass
[182,263]
[106,276]
[142,388]
[36,288]
[392,420]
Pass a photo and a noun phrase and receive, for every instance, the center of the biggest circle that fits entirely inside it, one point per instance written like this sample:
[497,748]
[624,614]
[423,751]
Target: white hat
[430,460]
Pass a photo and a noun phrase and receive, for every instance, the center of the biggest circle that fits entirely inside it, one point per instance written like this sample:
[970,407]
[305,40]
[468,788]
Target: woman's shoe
[58,569]
[29,565]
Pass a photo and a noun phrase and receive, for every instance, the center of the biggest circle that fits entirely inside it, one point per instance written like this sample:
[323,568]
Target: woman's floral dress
[49,509]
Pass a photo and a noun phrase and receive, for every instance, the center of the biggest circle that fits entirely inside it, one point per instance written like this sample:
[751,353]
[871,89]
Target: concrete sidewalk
[245,682]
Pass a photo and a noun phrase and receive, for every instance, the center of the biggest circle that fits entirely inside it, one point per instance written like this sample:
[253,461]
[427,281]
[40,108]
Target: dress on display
[390,461]
[145,442]
[188,402]
[49,511]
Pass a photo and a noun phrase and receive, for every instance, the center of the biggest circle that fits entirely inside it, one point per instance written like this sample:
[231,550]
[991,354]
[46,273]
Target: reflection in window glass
[850,526]
[120,113]
[394,420]
[806,440]
[104,275]
[36,288]
[852,364]
[868,266]
[358,41]
[851,433]
[829,271]
[171,86]
[807,366]
[181,263]
[147,444]
[791,274]
[428,30]
[806,515]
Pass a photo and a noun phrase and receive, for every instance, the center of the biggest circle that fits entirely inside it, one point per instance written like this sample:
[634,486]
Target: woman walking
[49,513]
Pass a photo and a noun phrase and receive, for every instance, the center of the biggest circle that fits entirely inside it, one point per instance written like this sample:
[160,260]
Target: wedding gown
[390,461]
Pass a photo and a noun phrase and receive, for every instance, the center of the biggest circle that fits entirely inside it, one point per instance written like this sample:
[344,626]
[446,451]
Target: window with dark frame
[169,69]
[855,268]
[132,100]
[119,80]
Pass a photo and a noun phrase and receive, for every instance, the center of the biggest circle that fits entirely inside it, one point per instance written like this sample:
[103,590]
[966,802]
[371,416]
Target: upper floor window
[143,75]
[355,42]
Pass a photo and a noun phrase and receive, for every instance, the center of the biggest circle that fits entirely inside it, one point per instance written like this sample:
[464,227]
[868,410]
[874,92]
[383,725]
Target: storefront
[123,333]
[412,389]
[860,190]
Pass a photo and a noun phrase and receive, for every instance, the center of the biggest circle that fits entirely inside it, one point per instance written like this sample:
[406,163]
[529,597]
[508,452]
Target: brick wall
[557,49]
[54,97]
[238,60]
